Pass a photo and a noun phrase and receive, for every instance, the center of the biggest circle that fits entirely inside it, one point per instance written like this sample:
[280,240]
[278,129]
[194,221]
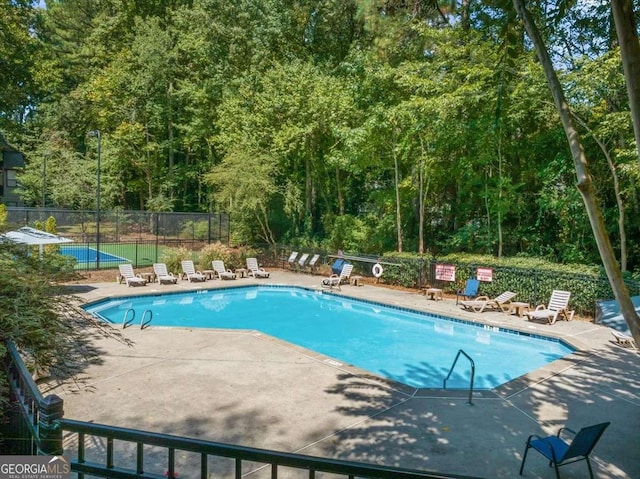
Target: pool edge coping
[504,390]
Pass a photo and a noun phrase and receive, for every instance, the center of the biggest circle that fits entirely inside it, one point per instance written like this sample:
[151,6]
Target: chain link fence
[125,236]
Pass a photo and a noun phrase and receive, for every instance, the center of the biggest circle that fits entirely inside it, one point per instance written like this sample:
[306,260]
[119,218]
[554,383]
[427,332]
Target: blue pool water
[84,254]
[412,348]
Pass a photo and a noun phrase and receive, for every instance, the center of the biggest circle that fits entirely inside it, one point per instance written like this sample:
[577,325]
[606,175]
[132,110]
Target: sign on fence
[484,274]
[445,272]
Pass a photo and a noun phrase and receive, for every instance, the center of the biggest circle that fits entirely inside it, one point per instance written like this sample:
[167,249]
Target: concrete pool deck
[245,388]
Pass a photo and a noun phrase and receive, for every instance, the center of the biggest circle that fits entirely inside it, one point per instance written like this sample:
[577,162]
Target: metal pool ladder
[473,373]
[127,321]
[144,321]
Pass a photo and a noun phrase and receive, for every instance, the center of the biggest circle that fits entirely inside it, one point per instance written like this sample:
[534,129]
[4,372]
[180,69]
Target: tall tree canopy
[426,127]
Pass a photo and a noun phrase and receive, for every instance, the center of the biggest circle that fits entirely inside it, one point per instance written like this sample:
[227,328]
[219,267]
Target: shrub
[174,256]
[216,251]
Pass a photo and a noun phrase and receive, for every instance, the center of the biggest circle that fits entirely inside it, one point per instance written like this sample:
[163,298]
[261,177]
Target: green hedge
[532,279]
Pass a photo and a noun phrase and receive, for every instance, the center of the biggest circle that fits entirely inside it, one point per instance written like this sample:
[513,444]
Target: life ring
[377,270]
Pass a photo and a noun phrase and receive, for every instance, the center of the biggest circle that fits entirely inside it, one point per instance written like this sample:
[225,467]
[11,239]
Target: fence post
[157,233]
[209,229]
[49,431]
[421,266]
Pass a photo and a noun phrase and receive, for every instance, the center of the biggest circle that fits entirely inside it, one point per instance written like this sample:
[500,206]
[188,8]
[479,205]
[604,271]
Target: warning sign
[484,274]
[445,272]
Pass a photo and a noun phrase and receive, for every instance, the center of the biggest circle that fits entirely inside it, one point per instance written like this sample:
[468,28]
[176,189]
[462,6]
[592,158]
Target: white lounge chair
[335,280]
[189,270]
[162,275]
[623,339]
[312,264]
[255,270]
[558,306]
[221,271]
[132,279]
[302,261]
[292,259]
[482,303]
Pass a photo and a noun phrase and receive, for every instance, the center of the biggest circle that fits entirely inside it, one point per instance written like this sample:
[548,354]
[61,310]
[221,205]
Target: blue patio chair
[470,290]
[560,452]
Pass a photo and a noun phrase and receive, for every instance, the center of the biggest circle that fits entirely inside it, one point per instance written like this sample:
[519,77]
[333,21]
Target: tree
[17,54]
[626,29]
[585,183]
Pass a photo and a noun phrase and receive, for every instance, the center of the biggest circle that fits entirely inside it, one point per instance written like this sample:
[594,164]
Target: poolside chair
[558,306]
[162,276]
[255,270]
[189,270]
[292,259]
[470,290]
[312,264]
[481,303]
[132,279]
[560,453]
[221,271]
[624,340]
[335,280]
[302,261]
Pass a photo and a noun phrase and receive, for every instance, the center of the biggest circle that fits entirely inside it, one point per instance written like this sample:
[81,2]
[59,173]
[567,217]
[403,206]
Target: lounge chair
[482,303]
[470,290]
[292,259]
[302,261]
[132,279]
[335,280]
[312,264]
[558,306]
[623,339]
[221,271]
[560,453]
[189,270]
[162,276]
[255,270]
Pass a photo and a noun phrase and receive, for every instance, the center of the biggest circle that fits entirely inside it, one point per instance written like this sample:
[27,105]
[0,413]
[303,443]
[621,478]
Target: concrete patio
[246,388]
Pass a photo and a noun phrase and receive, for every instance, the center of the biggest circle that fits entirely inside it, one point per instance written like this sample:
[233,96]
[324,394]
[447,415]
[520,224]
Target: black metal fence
[116,237]
[36,426]
[85,226]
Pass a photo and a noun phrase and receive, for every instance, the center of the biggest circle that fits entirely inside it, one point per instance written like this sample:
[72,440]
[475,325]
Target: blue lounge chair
[470,290]
[560,452]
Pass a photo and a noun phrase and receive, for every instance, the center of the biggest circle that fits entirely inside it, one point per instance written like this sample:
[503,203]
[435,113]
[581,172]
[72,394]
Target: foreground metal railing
[32,419]
[99,450]
[244,460]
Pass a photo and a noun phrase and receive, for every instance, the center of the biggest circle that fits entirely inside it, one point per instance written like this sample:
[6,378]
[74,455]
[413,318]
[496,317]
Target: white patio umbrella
[33,237]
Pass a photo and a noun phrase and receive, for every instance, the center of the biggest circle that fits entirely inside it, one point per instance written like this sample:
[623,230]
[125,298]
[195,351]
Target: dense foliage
[364,125]
[33,313]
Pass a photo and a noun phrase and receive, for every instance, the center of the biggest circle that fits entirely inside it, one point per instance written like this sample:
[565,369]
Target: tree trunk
[397,185]
[617,193]
[339,192]
[465,22]
[500,183]
[624,19]
[421,200]
[585,185]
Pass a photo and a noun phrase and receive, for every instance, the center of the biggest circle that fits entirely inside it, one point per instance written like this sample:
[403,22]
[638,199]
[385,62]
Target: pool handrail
[473,373]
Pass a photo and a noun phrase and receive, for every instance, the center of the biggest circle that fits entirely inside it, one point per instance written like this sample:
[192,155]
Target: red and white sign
[485,274]
[445,272]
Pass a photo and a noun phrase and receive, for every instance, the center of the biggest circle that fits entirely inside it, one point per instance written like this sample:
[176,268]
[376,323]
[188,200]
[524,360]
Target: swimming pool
[413,348]
[85,254]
